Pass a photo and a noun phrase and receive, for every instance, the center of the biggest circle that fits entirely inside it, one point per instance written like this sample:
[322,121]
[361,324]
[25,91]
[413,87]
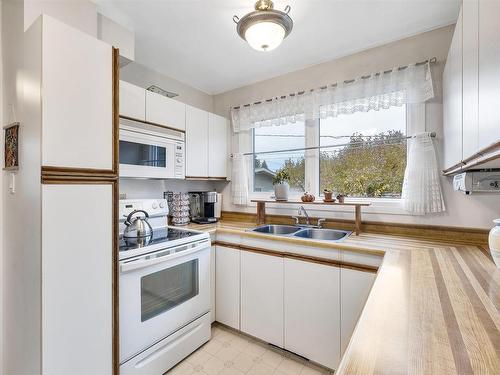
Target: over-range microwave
[150,151]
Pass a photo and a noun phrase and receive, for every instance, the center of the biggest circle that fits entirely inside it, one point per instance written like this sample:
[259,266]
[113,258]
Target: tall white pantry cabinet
[69,171]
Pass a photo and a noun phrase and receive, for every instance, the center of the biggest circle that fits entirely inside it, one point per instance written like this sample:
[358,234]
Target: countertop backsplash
[151,189]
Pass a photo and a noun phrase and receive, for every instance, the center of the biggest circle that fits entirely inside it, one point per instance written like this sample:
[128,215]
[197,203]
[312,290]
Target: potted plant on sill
[281,185]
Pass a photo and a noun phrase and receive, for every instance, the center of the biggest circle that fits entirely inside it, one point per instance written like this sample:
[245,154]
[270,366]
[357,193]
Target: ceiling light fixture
[265,28]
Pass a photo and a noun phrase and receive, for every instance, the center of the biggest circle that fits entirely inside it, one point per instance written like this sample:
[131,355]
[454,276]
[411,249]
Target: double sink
[322,234]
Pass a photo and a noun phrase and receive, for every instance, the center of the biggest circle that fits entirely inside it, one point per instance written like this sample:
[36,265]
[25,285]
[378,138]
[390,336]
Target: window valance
[411,84]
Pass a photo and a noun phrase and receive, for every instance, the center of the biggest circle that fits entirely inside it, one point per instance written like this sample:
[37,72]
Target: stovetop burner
[159,236]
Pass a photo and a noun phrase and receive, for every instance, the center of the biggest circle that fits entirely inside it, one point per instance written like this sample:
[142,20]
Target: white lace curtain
[422,192]
[382,90]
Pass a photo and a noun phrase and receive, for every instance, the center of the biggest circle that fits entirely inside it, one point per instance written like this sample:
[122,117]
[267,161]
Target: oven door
[159,294]
[143,155]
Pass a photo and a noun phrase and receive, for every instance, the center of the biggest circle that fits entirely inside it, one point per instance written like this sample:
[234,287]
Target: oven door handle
[147,260]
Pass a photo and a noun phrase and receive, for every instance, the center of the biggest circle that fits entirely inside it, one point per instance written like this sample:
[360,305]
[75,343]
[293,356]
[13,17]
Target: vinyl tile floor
[231,353]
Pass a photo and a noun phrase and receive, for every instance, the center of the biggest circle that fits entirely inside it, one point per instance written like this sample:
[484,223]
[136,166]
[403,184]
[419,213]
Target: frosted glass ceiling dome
[265,28]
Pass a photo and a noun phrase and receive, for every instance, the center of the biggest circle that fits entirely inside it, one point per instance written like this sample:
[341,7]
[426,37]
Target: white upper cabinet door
[77,280]
[77,98]
[132,101]
[217,147]
[355,288]
[165,111]
[197,142]
[312,311]
[489,72]
[262,296]
[470,36]
[452,100]
[227,286]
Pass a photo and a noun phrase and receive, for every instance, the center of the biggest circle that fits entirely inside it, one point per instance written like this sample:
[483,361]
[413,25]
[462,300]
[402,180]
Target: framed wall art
[11,147]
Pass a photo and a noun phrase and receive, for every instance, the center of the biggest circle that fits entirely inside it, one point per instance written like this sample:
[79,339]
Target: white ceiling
[195,41]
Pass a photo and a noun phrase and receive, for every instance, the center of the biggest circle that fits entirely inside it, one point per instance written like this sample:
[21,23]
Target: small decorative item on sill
[180,209]
[328,196]
[341,198]
[281,185]
[11,147]
[308,198]
[494,242]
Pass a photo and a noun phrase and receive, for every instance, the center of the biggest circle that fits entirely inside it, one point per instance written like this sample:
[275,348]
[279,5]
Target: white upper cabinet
[262,296]
[471,86]
[217,146]
[206,144]
[312,311]
[132,101]
[77,97]
[452,100]
[470,18]
[489,72]
[197,142]
[165,111]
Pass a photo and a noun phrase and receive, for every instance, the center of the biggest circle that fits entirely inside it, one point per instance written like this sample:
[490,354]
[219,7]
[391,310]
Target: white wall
[81,14]
[154,189]
[143,76]
[471,211]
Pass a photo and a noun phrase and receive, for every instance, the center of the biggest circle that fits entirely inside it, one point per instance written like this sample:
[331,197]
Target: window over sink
[367,157]
[265,166]
[370,160]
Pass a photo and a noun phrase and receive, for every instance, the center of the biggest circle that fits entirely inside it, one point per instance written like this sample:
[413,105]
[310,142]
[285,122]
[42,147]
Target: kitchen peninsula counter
[433,309]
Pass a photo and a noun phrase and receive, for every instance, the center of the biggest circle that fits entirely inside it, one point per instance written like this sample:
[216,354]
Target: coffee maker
[203,206]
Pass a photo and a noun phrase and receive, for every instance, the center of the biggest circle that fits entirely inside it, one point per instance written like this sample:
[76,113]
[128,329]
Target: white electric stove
[164,292]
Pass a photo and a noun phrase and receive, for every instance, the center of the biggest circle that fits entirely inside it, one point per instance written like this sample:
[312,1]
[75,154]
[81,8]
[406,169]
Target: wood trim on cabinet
[205,178]
[116,281]
[76,180]
[152,123]
[116,110]
[485,155]
[301,257]
[48,171]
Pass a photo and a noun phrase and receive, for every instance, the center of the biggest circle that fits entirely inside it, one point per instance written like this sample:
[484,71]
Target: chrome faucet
[303,210]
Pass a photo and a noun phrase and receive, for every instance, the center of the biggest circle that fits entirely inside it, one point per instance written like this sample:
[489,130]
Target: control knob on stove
[154,205]
[162,204]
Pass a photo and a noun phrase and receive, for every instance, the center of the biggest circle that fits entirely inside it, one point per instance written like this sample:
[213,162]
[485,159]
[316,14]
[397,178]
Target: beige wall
[475,211]
[406,51]
[143,76]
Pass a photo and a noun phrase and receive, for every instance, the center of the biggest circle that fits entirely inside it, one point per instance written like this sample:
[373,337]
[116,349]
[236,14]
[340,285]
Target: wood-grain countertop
[434,307]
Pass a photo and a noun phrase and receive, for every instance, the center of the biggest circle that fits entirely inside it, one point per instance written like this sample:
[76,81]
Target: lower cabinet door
[212,284]
[227,286]
[262,296]
[312,311]
[77,279]
[355,287]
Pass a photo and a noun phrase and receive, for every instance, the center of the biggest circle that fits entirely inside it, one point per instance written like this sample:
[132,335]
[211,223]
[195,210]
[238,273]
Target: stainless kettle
[137,227]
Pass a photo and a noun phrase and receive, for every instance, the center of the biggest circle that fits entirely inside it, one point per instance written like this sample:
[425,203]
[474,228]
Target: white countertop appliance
[474,182]
[164,291]
[150,151]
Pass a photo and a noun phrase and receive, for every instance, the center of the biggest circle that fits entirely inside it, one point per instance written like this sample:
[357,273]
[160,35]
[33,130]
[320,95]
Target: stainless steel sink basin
[332,235]
[276,229]
[323,234]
